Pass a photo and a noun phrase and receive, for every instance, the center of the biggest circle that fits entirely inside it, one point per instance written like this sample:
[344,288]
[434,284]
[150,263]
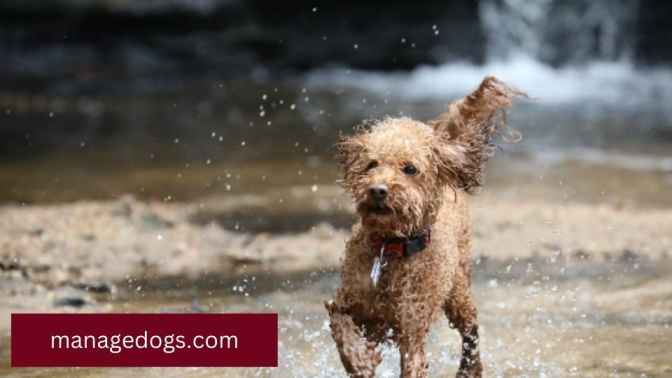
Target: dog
[408,259]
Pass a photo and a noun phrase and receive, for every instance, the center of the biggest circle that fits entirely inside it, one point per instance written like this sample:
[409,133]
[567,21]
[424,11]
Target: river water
[538,318]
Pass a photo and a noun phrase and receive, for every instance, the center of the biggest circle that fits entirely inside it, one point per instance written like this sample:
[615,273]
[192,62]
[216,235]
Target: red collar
[400,246]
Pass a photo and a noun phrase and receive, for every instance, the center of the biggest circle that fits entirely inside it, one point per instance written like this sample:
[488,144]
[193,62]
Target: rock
[36,232]
[70,302]
[581,255]
[88,237]
[629,255]
[231,38]
[654,32]
[95,287]
[153,221]
[70,297]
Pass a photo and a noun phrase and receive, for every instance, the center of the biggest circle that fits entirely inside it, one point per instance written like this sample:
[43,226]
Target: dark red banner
[234,340]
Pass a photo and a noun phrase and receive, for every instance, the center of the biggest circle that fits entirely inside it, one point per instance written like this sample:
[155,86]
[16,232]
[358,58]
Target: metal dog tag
[375,271]
[377,268]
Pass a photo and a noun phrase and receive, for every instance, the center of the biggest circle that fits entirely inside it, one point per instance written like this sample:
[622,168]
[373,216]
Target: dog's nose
[378,192]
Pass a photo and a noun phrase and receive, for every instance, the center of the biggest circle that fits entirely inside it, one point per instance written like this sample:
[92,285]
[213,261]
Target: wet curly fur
[448,155]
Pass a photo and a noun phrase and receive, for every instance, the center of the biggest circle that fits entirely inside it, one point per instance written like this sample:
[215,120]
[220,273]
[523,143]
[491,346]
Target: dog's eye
[372,164]
[410,170]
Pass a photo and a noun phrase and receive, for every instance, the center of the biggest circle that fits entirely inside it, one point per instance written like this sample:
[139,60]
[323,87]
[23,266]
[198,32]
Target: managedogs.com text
[117,343]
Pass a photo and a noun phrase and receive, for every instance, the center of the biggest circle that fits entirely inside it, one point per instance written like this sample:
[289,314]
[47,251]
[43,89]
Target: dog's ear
[348,151]
[465,132]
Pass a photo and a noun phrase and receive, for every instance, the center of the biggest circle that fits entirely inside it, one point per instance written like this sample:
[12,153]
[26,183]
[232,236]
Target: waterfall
[560,32]
[578,53]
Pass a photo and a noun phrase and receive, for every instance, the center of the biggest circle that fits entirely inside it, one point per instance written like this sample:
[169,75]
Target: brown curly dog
[409,256]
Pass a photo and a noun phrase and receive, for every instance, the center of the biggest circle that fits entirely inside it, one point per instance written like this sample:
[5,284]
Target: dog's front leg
[413,359]
[462,315]
[358,355]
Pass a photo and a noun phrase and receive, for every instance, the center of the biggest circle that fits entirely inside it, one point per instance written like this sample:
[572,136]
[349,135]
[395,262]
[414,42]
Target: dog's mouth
[374,208]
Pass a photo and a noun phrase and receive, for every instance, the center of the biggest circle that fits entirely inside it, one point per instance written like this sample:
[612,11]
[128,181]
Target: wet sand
[106,245]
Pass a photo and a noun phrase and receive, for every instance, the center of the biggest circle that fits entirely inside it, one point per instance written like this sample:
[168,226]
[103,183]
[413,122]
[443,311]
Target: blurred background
[105,97]
[176,155]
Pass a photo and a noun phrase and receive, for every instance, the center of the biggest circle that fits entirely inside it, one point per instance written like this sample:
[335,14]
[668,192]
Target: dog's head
[397,168]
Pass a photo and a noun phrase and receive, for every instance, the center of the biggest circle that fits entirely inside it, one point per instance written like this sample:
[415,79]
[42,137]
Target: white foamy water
[590,112]
[616,83]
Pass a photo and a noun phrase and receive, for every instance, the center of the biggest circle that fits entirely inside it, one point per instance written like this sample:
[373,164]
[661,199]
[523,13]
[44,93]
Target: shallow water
[538,318]
[215,138]
[587,176]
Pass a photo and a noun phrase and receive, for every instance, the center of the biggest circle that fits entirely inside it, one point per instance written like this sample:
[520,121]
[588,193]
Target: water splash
[600,82]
